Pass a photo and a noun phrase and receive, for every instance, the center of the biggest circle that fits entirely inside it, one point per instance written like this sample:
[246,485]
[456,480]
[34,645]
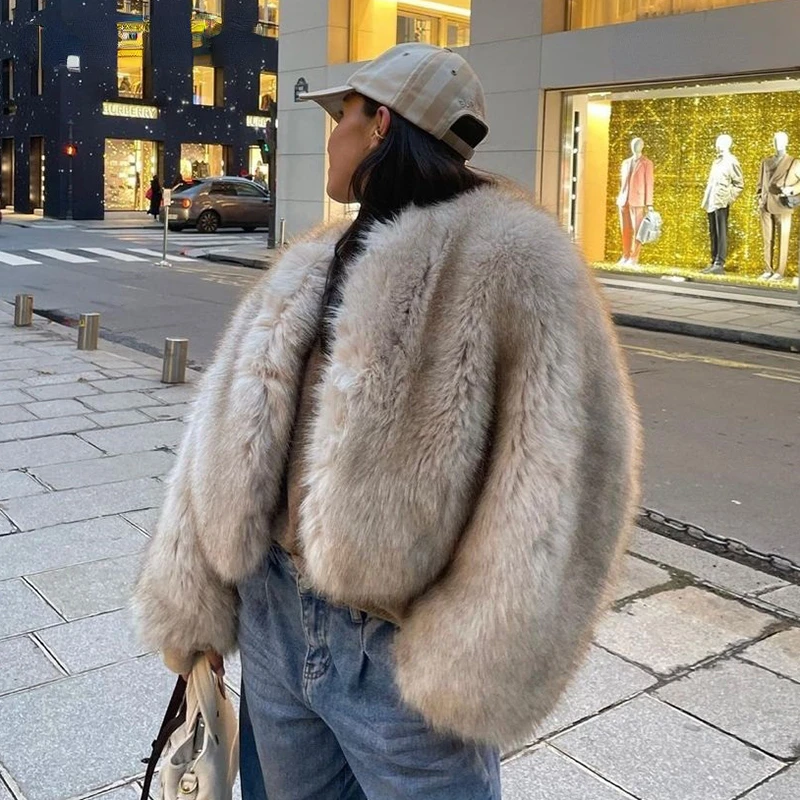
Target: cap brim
[332,100]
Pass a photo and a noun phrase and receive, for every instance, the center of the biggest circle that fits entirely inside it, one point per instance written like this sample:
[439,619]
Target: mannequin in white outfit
[635,198]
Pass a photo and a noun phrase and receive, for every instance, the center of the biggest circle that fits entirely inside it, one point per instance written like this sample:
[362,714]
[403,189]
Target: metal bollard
[88,331]
[176,353]
[23,310]
[283,232]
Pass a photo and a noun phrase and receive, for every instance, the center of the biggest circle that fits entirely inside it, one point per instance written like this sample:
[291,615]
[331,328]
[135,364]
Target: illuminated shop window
[716,163]
[200,161]
[129,167]
[135,8]
[206,20]
[593,13]
[267,90]
[267,18]
[377,25]
[206,84]
[130,58]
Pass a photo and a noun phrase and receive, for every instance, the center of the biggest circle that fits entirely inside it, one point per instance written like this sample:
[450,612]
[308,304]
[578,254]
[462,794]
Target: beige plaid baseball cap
[432,87]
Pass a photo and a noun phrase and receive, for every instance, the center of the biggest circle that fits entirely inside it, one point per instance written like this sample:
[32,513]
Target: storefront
[200,161]
[706,158]
[129,167]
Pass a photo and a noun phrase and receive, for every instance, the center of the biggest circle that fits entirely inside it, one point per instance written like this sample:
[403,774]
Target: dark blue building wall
[89,30]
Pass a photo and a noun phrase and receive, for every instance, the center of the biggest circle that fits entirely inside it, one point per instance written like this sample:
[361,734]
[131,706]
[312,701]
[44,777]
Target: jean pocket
[377,640]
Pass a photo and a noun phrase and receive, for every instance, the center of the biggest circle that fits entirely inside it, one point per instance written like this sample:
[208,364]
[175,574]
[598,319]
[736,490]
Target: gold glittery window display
[679,135]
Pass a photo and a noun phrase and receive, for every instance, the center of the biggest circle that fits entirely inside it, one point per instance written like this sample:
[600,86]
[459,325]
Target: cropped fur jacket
[473,458]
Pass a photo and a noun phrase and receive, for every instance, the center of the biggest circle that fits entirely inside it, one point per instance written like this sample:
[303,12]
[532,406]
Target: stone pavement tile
[602,681]
[706,566]
[61,390]
[43,379]
[5,524]
[118,709]
[107,469]
[116,419]
[81,590]
[131,792]
[44,427]
[22,609]
[24,665]
[93,642]
[172,395]
[14,351]
[5,794]
[751,703]
[137,438]
[146,519]
[779,652]
[545,774]
[65,545]
[638,575]
[46,409]
[784,786]
[179,411]
[788,598]
[18,484]
[678,628]
[233,672]
[73,505]
[657,752]
[49,450]
[127,384]
[14,414]
[13,397]
[120,401]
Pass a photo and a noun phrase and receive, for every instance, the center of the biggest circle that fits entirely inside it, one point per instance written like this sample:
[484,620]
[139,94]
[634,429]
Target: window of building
[724,153]
[129,166]
[135,8]
[131,47]
[206,83]
[199,161]
[206,20]
[8,85]
[267,18]
[37,74]
[267,90]
[12,10]
[37,5]
[593,13]
[377,25]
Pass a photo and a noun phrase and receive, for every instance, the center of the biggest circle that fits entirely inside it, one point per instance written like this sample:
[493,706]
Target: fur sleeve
[512,617]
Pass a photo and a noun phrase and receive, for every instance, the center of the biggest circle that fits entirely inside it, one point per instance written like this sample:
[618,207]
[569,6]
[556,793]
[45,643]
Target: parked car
[214,203]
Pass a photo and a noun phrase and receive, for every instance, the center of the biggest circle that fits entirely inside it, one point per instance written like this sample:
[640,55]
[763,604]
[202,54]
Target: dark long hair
[409,167]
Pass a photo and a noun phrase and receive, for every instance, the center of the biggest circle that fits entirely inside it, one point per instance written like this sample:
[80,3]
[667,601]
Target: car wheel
[248,228]
[208,222]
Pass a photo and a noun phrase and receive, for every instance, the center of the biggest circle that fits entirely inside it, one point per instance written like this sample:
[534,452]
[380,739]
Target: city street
[720,419]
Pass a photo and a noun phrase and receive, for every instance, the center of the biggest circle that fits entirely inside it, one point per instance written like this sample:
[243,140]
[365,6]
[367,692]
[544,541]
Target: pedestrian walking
[409,471]
[155,195]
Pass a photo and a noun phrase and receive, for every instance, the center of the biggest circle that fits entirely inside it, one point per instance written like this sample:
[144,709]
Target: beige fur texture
[474,459]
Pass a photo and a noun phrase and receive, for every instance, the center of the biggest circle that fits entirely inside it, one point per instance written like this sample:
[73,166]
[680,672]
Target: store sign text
[253,121]
[129,110]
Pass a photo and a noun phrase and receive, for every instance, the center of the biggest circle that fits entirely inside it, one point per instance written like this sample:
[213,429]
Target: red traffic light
[70,149]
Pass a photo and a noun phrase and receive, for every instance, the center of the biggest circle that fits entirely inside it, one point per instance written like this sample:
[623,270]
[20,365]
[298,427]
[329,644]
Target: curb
[771,341]
[223,258]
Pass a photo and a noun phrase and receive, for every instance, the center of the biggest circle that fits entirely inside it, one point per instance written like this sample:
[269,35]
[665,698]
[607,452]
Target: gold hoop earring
[380,136]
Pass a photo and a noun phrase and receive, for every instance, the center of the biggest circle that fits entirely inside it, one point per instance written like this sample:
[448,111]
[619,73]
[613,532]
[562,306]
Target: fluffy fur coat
[474,458]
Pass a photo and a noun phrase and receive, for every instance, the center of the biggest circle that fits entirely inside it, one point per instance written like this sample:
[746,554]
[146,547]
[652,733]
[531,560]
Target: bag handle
[174,717]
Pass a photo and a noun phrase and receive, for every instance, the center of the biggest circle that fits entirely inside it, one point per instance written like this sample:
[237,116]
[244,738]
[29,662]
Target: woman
[409,469]
[156,195]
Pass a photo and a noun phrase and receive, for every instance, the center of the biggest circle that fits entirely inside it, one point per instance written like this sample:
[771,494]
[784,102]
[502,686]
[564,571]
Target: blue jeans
[323,711]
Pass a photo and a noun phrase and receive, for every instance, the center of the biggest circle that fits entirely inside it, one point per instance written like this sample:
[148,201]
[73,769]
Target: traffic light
[71,149]
[264,148]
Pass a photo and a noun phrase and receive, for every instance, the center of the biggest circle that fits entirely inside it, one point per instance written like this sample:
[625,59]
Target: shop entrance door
[37,173]
[7,173]
[129,167]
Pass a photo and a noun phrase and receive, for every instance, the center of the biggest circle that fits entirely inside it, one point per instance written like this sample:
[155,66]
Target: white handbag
[650,229]
[200,741]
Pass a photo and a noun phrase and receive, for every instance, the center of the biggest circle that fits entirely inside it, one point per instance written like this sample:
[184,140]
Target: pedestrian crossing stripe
[63,255]
[156,254]
[120,256]
[14,260]
[127,255]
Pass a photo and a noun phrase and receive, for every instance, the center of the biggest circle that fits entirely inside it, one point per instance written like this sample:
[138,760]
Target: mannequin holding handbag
[199,738]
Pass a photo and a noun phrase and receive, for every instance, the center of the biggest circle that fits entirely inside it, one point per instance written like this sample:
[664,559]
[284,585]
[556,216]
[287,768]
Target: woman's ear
[383,121]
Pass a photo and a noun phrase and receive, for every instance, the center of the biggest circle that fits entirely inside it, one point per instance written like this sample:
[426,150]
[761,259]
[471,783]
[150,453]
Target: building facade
[100,96]
[570,85]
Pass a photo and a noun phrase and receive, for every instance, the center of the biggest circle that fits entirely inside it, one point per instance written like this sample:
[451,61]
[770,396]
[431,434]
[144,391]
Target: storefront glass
[377,25]
[593,13]
[268,18]
[206,20]
[257,168]
[203,85]
[136,8]
[706,159]
[129,167]
[130,58]
[267,90]
[200,161]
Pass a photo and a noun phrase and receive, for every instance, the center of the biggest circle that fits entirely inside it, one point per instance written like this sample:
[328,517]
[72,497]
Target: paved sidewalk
[691,690]
[113,220]
[766,319]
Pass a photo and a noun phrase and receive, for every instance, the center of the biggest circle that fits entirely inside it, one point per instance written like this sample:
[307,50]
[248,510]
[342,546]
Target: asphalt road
[721,421]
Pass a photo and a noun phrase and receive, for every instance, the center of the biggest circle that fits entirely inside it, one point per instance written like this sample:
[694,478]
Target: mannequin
[780,175]
[635,198]
[725,184]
